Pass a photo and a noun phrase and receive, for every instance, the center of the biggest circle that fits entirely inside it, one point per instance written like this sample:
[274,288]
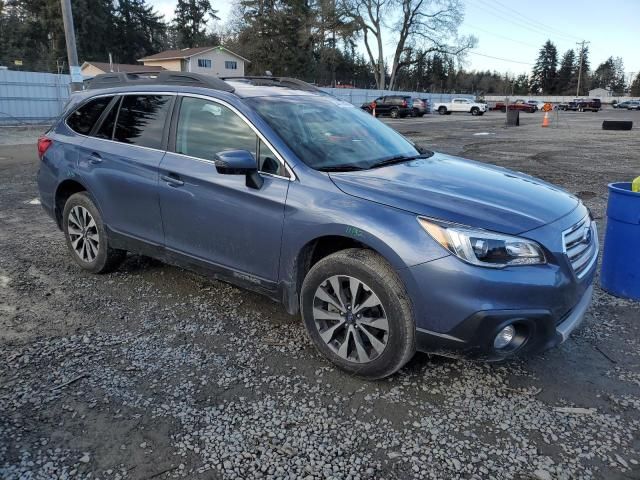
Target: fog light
[504,337]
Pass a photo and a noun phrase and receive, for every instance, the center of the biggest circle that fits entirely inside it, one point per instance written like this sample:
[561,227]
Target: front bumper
[474,337]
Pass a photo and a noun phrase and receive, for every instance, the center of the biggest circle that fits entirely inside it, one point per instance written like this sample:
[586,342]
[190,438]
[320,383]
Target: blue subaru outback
[384,248]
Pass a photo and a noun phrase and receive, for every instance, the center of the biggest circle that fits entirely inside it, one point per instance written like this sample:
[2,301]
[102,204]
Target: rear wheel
[86,236]
[357,313]
[442,110]
[395,113]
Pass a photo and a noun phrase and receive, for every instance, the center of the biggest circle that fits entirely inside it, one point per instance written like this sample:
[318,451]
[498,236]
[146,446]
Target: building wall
[174,65]
[218,59]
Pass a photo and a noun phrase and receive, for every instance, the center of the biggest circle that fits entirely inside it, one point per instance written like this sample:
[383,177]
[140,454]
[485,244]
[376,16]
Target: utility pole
[72,52]
[582,44]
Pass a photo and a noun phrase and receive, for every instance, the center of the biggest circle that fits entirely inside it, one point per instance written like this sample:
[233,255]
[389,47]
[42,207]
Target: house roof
[122,67]
[188,53]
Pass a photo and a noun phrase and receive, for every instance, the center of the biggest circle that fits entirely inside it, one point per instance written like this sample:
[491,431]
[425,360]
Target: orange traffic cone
[545,121]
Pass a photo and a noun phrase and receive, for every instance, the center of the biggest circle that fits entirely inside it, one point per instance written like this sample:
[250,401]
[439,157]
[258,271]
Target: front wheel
[475,111]
[86,235]
[357,313]
[395,113]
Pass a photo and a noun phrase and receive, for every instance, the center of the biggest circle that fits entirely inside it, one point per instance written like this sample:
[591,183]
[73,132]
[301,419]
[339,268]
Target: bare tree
[413,25]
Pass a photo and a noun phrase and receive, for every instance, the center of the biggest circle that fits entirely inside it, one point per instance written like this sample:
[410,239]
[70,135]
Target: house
[217,61]
[600,93]
[91,69]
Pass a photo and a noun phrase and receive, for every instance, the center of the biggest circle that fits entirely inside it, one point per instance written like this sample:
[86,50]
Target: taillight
[404,102]
[43,145]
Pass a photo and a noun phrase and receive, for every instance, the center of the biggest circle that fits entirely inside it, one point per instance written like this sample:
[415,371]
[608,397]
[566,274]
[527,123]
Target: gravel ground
[155,372]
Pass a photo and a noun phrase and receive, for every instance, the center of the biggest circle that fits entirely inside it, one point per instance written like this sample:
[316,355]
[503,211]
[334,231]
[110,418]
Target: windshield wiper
[340,168]
[400,159]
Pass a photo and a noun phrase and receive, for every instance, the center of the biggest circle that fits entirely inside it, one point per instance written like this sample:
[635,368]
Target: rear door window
[106,128]
[82,119]
[141,120]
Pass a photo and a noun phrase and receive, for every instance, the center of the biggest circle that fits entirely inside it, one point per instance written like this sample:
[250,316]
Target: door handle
[95,158]
[172,180]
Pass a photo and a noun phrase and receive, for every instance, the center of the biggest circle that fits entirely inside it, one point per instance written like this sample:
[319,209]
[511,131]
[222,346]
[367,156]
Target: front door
[217,218]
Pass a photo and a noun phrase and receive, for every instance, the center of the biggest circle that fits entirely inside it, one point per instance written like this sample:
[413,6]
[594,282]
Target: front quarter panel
[317,208]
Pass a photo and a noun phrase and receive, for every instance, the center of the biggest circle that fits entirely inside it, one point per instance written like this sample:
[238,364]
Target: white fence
[30,97]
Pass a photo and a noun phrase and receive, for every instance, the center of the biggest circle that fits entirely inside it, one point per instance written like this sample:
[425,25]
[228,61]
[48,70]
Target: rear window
[141,120]
[83,118]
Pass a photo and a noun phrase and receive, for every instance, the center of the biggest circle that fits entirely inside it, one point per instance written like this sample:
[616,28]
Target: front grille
[581,245]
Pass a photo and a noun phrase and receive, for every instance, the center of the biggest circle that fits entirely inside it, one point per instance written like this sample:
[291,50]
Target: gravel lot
[155,372]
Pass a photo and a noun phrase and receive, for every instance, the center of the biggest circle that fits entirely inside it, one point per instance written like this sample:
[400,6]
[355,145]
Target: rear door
[217,218]
[121,160]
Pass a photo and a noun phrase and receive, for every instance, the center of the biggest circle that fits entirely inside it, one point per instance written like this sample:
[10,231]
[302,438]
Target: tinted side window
[141,120]
[82,119]
[206,128]
[109,122]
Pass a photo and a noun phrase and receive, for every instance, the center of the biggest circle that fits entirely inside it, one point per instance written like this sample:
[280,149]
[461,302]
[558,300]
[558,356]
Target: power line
[474,27]
[540,25]
[528,25]
[500,58]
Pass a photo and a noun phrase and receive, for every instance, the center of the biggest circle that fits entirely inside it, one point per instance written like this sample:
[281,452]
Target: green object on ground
[635,185]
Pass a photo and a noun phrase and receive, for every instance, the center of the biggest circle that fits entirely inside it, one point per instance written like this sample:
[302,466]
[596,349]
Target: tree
[566,79]
[140,30]
[425,25]
[609,75]
[583,77]
[545,75]
[635,86]
[190,22]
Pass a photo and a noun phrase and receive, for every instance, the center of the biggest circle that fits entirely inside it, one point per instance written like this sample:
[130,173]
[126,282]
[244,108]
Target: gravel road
[153,372]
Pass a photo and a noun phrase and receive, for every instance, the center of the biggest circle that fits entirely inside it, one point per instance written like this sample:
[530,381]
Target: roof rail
[161,77]
[278,81]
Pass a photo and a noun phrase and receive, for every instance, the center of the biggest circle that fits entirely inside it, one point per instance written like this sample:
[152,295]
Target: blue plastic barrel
[620,274]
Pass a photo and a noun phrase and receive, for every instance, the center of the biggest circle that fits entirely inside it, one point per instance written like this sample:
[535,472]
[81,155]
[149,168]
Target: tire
[442,110]
[82,224]
[414,113]
[374,281]
[475,111]
[394,113]
[503,109]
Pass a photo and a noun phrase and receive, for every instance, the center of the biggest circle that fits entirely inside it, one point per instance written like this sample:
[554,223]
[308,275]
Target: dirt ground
[153,372]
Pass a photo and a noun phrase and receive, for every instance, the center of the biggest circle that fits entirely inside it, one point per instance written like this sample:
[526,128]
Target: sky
[512,32]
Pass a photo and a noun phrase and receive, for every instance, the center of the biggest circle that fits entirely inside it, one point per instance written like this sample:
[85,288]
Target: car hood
[461,191]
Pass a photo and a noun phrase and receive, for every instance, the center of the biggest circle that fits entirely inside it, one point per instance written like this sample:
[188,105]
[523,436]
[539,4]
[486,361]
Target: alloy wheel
[350,319]
[83,234]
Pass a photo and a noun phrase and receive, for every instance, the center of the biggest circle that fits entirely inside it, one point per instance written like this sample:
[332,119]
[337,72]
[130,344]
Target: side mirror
[239,162]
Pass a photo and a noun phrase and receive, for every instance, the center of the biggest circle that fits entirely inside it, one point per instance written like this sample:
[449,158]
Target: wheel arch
[319,247]
[64,190]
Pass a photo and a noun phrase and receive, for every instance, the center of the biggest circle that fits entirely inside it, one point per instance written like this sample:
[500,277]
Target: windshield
[328,134]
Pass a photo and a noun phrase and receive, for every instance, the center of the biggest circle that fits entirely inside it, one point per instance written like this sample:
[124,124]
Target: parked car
[460,105]
[582,105]
[519,105]
[536,103]
[383,246]
[621,105]
[393,105]
[633,105]
[420,107]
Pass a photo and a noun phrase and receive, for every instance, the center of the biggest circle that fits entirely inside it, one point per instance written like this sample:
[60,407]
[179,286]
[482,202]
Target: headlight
[482,247]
